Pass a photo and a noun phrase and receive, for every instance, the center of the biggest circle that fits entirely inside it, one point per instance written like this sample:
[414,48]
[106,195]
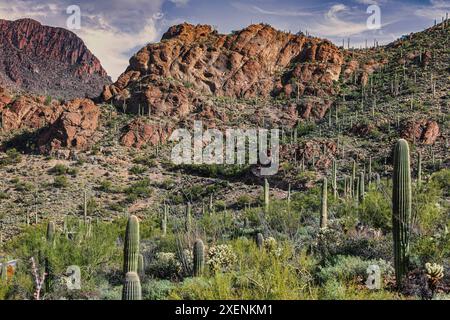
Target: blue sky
[116,29]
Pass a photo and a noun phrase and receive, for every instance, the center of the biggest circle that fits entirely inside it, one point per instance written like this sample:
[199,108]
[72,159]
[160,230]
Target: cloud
[436,10]
[335,25]
[180,3]
[282,13]
[111,29]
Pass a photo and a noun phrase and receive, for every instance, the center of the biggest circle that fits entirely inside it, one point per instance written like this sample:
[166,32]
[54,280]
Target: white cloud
[180,3]
[282,13]
[436,10]
[334,25]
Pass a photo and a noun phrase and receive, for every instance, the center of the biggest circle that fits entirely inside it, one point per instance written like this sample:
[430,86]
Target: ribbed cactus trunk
[401,208]
[188,217]
[352,179]
[334,181]
[51,229]
[324,210]
[266,195]
[132,287]
[369,178]
[260,241]
[199,258]
[362,188]
[141,265]
[419,169]
[164,221]
[131,249]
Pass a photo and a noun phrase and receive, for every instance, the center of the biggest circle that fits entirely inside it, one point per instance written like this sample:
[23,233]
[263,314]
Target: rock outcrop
[73,129]
[424,131]
[48,61]
[167,78]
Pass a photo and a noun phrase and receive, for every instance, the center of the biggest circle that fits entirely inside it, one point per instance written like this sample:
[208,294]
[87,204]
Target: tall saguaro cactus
[334,181]
[266,195]
[324,210]
[401,208]
[188,217]
[362,188]
[132,287]
[199,258]
[419,169]
[131,249]
[164,221]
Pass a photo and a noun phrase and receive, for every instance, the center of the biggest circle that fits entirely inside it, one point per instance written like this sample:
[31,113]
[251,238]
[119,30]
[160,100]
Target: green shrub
[61,182]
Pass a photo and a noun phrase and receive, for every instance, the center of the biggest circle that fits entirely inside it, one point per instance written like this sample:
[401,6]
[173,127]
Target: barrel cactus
[51,229]
[131,249]
[199,258]
[132,287]
[401,208]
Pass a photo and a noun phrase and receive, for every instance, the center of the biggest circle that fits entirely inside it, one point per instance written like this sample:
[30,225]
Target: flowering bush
[221,258]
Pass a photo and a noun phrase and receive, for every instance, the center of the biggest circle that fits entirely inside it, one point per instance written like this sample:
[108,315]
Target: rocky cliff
[49,61]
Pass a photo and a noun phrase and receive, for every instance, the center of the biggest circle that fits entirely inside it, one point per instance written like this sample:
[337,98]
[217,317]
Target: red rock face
[424,131]
[48,60]
[165,78]
[138,133]
[73,129]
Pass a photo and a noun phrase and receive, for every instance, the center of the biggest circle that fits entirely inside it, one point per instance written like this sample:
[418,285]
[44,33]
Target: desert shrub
[61,169]
[165,266]
[12,157]
[156,289]
[23,186]
[349,268]
[139,190]
[60,182]
[137,170]
[376,211]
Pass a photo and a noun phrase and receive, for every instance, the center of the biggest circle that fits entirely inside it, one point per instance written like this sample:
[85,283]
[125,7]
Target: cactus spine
[324,211]
[401,208]
[131,249]
[199,258]
[132,287]
[266,195]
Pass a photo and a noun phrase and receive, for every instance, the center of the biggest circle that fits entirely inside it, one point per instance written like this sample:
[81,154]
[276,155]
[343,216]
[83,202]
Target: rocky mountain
[48,61]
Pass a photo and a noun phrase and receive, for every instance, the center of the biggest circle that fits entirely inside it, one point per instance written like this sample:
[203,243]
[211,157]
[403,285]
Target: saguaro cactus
[51,229]
[334,181]
[401,208]
[362,189]
[131,249]
[141,265]
[266,195]
[260,241]
[164,221]
[132,287]
[419,169]
[324,211]
[199,258]
[188,217]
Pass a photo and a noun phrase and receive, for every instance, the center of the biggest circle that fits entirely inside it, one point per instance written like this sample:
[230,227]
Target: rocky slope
[169,78]
[49,61]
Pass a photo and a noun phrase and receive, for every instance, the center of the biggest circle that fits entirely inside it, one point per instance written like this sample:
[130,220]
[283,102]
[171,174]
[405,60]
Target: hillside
[61,161]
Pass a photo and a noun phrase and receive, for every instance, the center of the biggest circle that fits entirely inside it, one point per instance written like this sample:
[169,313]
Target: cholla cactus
[221,258]
[435,272]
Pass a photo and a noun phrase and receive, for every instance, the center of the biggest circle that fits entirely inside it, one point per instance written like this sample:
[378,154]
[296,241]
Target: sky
[116,29]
